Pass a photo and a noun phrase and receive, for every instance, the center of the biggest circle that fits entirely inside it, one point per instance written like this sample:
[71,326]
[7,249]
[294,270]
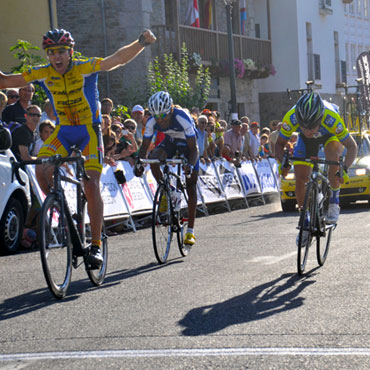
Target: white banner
[114,204]
[266,177]
[209,185]
[229,179]
[136,194]
[249,178]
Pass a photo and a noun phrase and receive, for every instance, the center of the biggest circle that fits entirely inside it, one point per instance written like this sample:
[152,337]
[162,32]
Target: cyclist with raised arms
[318,123]
[71,86]
[180,136]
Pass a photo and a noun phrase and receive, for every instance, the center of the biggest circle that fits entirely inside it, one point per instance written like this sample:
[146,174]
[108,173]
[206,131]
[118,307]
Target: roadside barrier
[219,182]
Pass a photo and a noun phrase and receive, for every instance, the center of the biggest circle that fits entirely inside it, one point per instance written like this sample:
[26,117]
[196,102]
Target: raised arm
[127,52]
[14,80]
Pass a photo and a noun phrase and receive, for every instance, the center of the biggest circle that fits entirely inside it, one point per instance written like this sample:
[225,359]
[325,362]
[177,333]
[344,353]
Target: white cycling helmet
[160,102]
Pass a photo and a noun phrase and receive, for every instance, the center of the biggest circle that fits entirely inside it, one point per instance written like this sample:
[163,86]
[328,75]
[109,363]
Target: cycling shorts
[88,138]
[307,148]
[171,147]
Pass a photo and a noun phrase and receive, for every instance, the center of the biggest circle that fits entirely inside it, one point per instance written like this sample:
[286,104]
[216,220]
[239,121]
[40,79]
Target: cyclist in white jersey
[180,136]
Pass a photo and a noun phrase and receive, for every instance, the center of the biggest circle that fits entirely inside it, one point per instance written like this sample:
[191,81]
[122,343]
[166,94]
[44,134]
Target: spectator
[292,142]
[211,136]
[274,135]
[254,141]
[46,128]
[3,102]
[16,112]
[202,137]
[106,106]
[137,114]
[129,139]
[106,124]
[48,113]
[245,150]
[124,146]
[219,131]
[110,144]
[23,136]
[233,142]
[264,151]
[13,95]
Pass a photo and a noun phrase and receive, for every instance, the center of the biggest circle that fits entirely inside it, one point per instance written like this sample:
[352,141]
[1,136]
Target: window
[366,8]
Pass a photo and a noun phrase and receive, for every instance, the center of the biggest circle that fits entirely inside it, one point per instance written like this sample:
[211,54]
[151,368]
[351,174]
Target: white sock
[191,231]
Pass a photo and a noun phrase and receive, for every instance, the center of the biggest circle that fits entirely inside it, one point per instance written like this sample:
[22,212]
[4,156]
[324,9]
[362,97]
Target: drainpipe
[105,44]
[51,14]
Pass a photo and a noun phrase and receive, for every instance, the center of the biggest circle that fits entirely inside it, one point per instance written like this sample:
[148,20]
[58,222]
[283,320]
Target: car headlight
[357,172]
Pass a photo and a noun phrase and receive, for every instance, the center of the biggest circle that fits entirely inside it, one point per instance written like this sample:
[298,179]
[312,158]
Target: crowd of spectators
[122,136]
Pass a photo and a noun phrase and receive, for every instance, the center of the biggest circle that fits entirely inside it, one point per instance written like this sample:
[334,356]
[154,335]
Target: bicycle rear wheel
[97,276]
[55,246]
[306,226]
[162,223]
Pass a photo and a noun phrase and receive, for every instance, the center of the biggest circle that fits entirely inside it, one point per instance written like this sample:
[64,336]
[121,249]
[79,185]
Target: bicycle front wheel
[306,227]
[182,222]
[55,246]
[162,223]
[323,243]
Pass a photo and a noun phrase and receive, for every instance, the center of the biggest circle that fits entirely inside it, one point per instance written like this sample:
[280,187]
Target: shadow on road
[279,295]
[41,298]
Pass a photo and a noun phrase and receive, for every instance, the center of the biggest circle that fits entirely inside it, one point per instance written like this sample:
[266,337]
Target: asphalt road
[235,302]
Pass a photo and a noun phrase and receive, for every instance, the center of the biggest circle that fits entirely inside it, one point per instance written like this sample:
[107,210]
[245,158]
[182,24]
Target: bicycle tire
[304,240]
[162,224]
[55,246]
[97,276]
[182,222]
[325,230]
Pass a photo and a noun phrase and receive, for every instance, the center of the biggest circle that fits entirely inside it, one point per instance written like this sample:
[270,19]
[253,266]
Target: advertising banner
[229,179]
[249,179]
[209,185]
[266,177]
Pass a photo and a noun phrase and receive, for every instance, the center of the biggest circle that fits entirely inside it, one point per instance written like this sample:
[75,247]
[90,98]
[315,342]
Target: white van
[15,199]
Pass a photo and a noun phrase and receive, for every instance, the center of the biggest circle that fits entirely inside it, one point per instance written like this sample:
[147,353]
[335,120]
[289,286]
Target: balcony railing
[211,45]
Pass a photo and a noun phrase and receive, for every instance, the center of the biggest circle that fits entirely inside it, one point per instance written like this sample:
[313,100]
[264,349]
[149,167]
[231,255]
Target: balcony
[211,45]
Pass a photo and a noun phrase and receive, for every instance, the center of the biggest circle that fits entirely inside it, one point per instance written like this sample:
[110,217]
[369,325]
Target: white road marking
[270,260]
[268,351]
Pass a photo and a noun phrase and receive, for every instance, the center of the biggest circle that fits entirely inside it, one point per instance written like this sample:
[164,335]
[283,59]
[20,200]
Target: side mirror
[5,138]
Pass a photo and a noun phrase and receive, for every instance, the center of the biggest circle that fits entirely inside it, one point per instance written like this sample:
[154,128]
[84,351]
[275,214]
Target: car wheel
[11,227]
[288,205]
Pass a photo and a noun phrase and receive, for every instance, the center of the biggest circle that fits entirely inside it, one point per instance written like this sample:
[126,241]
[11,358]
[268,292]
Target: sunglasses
[59,51]
[34,114]
[160,116]
[13,96]
[130,127]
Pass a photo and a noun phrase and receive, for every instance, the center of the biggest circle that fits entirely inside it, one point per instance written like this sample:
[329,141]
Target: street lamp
[228,8]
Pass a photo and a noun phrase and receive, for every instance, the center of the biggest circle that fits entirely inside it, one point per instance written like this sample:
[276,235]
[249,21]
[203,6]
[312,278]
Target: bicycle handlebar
[56,160]
[313,160]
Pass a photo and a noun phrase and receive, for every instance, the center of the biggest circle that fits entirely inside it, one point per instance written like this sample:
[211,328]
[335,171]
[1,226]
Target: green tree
[23,51]
[173,76]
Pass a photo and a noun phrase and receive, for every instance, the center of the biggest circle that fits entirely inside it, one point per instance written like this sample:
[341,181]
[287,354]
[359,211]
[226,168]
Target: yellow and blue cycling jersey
[74,95]
[332,128]
[331,123]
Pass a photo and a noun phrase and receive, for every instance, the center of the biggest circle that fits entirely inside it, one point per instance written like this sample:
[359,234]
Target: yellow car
[358,187]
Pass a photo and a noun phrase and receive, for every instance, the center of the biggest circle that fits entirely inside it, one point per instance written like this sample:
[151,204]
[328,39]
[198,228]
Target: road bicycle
[312,223]
[168,216]
[63,235]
